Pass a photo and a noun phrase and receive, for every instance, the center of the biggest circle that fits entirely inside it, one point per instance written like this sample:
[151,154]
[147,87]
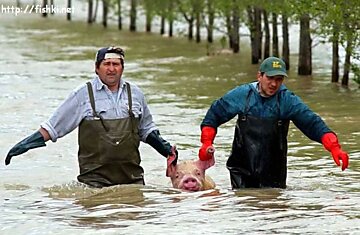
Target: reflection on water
[44,60]
[102,208]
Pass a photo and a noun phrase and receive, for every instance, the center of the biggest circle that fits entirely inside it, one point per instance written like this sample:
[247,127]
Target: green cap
[273,66]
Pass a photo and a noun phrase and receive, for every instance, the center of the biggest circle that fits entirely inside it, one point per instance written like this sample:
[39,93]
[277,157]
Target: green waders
[109,149]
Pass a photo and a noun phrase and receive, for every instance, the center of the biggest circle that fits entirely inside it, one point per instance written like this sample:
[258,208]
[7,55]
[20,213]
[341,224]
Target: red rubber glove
[206,152]
[331,143]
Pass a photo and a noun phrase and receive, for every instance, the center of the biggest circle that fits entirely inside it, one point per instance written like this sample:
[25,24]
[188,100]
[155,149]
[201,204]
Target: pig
[190,175]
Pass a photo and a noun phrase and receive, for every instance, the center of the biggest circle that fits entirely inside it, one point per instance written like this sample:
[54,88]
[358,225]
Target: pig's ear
[205,164]
[170,170]
[171,162]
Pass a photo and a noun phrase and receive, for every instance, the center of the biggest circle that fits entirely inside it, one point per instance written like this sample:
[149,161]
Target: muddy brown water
[43,60]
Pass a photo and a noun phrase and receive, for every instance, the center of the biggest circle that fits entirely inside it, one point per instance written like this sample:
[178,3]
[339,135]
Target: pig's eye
[198,173]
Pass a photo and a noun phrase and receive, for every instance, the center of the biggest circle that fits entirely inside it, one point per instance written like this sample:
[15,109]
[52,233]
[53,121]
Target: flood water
[43,60]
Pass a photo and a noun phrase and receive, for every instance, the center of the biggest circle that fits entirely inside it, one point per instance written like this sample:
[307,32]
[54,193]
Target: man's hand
[339,155]
[33,141]
[331,143]
[207,149]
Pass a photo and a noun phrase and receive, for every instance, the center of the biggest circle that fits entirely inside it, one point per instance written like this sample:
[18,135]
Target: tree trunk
[305,66]
[267,35]
[171,18]
[235,28]
[171,28]
[211,18]
[18,4]
[90,11]
[52,4]
[105,13]
[68,14]
[275,41]
[133,16]
[285,46]
[255,34]
[44,5]
[252,29]
[335,57]
[162,25]
[119,15]
[258,31]
[347,64]
[95,11]
[229,31]
[191,29]
[275,37]
[198,22]
[148,21]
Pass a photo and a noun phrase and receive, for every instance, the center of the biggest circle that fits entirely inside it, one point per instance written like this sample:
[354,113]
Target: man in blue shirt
[264,109]
[113,117]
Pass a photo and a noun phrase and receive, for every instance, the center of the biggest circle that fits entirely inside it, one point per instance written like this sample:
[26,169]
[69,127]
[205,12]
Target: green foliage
[339,20]
[162,8]
[332,20]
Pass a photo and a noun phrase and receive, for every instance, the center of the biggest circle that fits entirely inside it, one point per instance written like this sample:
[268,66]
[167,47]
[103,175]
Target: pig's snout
[190,183]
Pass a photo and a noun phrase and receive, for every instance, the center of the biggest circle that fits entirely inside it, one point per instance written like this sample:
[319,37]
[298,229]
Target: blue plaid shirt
[77,107]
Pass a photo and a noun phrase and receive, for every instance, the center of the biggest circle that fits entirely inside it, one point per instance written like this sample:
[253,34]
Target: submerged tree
[267,35]
[275,39]
[150,12]
[90,11]
[210,11]
[339,24]
[132,26]
[186,8]
[198,6]
[44,6]
[68,13]
[337,21]
[254,15]
[285,43]
[105,12]
[119,13]
[305,62]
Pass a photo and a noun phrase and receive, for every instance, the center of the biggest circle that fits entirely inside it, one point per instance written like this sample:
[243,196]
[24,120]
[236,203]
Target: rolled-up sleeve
[65,118]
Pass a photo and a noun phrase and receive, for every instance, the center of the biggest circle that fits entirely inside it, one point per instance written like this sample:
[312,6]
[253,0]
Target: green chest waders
[109,149]
[258,157]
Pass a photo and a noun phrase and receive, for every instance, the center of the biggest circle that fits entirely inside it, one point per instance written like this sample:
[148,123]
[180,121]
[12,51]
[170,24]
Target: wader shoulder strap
[278,102]
[247,106]
[131,114]
[92,102]
[92,99]
[128,88]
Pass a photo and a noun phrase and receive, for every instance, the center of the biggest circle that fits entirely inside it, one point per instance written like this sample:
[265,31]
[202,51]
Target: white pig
[190,175]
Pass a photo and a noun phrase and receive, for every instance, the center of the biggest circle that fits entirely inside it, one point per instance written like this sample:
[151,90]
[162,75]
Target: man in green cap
[264,109]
